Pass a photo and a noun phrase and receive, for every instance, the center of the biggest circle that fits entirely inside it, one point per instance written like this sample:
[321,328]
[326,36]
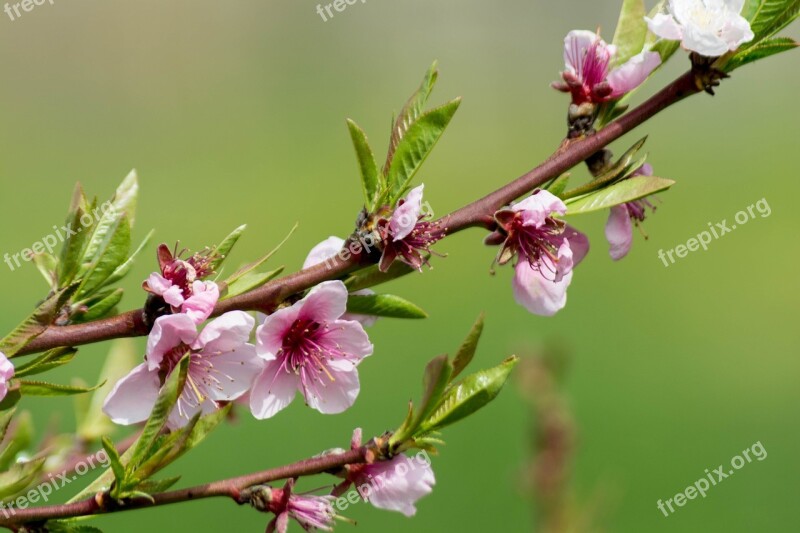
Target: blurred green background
[233,112]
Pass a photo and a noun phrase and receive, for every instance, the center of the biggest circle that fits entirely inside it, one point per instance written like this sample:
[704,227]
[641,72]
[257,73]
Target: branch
[230,488]
[266,298]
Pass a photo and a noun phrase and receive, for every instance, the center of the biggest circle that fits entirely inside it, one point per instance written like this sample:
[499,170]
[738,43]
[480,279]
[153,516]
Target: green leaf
[625,191]
[47,265]
[385,305]
[74,240]
[116,466]
[631,30]
[109,255]
[242,272]
[370,179]
[771,16]
[627,164]
[47,361]
[123,204]
[415,146]
[36,323]
[437,377]
[764,49]
[100,307]
[19,476]
[372,276]
[18,436]
[152,486]
[92,422]
[165,402]
[558,185]
[249,282]
[69,526]
[410,114]
[42,388]
[223,249]
[467,350]
[125,267]
[471,394]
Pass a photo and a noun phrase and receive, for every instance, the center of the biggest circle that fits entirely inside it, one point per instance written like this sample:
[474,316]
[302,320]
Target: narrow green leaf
[166,401]
[110,254]
[437,377]
[370,179]
[627,164]
[125,267]
[764,49]
[619,193]
[102,308]
[19,476]
[385,305]
[239,274]
[74,240]
[558,185]
[223,249]
[47,361]
[416,146]
[47,265]
[772,16]
[250,281]
[68,526]
[116,466]
[123,204]
[42,388]
[372,276]
[410,113]
[18,437]
[471,394]
[631,30]
[152,486]
[37,322]
[467,350]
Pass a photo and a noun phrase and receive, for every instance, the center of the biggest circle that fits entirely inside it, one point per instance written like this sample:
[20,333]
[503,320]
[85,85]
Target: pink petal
[272,391]
[226,333]
[158,284]
[578,243]
[6,367]
[349,337]
[133,397]
[537,294]
[324,251]
[399,483]
[576,45]
[169,332]
[619,232]
[269,335]
[234,373]
[201,303]
[633,73]
[337,396]
[178,418]
[324,303]
[405,216]
[665,26]
[537,207]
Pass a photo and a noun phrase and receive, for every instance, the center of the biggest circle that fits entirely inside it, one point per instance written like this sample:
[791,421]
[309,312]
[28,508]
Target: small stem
[265,298]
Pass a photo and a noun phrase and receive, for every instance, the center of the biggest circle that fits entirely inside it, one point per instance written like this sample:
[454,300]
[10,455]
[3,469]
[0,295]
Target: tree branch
[267,297]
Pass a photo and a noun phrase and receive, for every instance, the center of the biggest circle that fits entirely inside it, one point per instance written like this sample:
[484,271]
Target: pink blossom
[622,218]
[222,367]
[311,512]
[395,484]
[6,373]
[328,249]
[547,250]
[407,235]
[590,75]
[179,284]
[309,348]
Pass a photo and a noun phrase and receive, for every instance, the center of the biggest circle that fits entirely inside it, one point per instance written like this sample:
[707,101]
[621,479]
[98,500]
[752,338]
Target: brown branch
[231,488]
[265,298]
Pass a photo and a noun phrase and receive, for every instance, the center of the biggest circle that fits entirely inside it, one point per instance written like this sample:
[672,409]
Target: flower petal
[537,207]
[576,45]
[633,73]
[349,337]
[336,396]
[396,485]
[233,373]
[272,391]
[578,243]
[201,303]
[169,332]
[538,294]
[226,333]
[324,251]
[665,26]
[325,303]
[269,335]
[406,215]
[133,397]
[619,232]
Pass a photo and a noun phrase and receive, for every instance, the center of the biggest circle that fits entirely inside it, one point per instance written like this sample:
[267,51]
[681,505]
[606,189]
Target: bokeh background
[233,112]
